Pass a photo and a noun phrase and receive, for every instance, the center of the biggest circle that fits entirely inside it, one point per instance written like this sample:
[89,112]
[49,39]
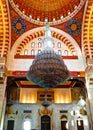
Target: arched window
[53,45]
[59,52]
[10,124]
[39,44]
[25,52]
[32,44]
[32,52]
[64,122]
[39,39]
[26,124]
[45,122]
[66,52]
[39,51]
[59,45]
[80,124]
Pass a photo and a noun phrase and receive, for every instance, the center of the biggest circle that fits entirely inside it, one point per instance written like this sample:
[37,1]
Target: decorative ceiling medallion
[73,27]
[19,25]
[40,12]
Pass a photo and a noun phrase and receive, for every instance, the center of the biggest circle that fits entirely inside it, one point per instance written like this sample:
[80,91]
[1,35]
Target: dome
[40,11]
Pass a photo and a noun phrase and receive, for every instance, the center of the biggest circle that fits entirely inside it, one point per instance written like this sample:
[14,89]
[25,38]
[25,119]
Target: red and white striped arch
[65,38]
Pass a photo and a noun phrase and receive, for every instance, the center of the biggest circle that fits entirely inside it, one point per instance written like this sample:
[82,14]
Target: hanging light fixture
[48,69]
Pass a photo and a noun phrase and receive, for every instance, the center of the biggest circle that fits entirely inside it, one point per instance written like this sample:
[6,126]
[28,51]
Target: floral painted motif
[73,27]
[19,25]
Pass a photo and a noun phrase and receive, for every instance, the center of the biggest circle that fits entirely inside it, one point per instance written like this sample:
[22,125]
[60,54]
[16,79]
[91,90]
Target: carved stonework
[45,111]
[75,93]
[2,70]
[83,111]
[90,62]
[89,67]
[89,73]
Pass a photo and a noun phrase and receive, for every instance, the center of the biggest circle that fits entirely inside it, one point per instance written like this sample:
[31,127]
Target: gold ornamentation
[45,111]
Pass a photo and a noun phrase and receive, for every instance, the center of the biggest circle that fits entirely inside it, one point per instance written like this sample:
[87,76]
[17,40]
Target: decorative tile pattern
[73,27]
[19,25]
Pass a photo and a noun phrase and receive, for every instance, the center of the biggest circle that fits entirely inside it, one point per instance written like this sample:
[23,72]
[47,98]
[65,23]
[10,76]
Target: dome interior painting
[45,10]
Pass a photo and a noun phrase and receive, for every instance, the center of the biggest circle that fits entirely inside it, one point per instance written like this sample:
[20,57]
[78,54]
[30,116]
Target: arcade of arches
[69,105]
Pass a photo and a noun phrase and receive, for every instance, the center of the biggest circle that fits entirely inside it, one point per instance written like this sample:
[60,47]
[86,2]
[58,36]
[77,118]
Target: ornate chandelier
[48,69]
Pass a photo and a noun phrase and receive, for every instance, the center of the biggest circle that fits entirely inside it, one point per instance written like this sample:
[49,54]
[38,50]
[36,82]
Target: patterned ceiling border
[4,29]
[88,31]
[38,22]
